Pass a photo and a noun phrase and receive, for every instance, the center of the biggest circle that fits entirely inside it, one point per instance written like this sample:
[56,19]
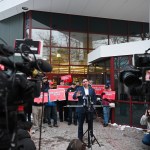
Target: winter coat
[81,98]
[24,140]
[145,120]
[67,93]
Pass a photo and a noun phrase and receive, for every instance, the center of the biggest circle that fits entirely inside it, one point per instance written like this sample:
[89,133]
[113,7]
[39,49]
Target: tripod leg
[96,141]
[89,139]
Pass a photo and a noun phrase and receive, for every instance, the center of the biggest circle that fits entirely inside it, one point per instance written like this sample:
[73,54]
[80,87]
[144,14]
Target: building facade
[67,40]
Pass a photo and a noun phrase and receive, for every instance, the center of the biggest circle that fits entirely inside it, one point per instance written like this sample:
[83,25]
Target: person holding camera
[24,141]
[80,93]
[76,144]
[145,120]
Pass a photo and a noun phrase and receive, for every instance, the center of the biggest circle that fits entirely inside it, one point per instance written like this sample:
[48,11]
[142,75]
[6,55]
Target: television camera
[137,77]
[16,88]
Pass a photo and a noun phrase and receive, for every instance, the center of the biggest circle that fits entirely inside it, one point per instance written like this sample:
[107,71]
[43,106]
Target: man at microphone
[80,93]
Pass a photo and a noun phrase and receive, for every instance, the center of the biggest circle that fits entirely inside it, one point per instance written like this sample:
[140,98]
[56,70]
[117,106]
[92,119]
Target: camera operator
[80,93]
[23,135]
[145,120]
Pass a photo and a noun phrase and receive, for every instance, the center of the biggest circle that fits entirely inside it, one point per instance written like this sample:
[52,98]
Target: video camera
[137,77]
[16,89]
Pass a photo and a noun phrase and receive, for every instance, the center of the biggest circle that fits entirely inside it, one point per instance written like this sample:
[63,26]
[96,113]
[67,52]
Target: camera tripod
[91,136]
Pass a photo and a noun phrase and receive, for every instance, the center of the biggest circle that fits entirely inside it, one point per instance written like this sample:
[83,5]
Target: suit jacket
[81,99]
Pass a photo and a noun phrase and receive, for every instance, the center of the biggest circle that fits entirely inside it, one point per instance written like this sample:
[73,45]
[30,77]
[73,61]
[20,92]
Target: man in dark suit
[81,93]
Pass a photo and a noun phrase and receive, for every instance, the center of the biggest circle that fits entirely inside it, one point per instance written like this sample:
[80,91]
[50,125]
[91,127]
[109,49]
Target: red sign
[98,89]
[109,95]
[63,87]
[70,97]
[40,99]
[2,67]
[66,78]
[57,94]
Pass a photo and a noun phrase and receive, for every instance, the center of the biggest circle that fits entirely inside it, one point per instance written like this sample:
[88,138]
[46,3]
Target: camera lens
[130,79]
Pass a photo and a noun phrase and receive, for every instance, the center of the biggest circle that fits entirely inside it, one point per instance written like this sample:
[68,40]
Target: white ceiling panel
[134,10]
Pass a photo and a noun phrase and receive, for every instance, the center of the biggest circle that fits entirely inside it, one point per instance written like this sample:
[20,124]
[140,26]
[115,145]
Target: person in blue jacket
[80,93]
[51,112]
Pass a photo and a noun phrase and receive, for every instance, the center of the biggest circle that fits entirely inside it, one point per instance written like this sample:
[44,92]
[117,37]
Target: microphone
[42,65]
[6,50]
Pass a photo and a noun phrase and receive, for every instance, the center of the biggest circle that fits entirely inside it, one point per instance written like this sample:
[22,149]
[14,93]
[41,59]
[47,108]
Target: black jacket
[67,92]
[24,140]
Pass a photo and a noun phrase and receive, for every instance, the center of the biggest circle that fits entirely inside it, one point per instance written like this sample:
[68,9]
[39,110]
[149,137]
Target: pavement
[112,137]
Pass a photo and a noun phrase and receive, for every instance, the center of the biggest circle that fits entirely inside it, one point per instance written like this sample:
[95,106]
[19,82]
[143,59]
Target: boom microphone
[26,67]
[6,50]
[42,65]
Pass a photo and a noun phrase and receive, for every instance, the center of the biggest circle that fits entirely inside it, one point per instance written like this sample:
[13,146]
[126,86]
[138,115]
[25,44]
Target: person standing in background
[63,116]
[106,108]
[71,110]
[51,112]
[37,108]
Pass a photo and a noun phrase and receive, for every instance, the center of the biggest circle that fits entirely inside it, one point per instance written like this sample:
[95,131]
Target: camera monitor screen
[147,75]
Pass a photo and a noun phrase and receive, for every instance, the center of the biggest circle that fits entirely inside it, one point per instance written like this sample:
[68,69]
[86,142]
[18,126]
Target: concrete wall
[11,29]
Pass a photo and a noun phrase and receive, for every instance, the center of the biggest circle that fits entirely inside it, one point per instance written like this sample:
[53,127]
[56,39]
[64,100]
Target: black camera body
[18,85]
[137,77]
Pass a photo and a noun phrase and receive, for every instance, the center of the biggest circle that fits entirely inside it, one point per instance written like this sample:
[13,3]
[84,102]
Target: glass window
[96,40]
[122,113]
[91,69]
[99,69]
[119,27]
[60,69]
[117,39]
[121,62]
[46,53]
[78,57]
[60,21]
[60,39]
[78,23]
[78,40]
[40,19]
[78,69]
[40,34]
[138,111]
[135,28]
[132,39]
[98,25]
[146,31]
[60,56]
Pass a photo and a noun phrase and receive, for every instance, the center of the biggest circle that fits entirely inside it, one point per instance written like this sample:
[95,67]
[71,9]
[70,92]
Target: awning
[122,49]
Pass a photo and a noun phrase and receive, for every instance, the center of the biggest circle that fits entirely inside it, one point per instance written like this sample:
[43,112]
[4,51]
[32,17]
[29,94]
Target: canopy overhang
[133,10]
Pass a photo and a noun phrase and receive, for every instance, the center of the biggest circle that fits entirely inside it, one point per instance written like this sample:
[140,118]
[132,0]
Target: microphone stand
[89,110]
